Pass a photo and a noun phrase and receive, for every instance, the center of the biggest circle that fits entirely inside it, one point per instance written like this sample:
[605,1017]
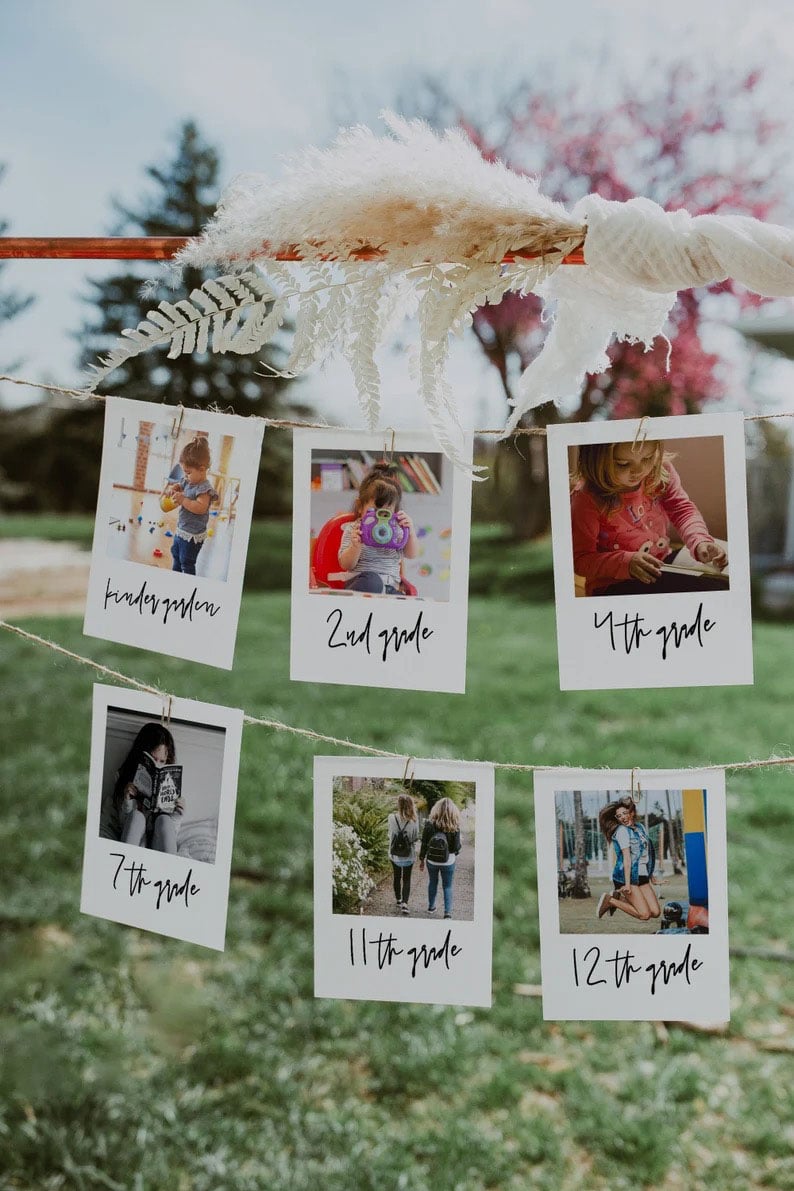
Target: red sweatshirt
[603,542]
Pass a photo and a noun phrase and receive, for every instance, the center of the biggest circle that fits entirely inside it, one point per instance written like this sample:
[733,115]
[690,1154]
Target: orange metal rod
[161,248]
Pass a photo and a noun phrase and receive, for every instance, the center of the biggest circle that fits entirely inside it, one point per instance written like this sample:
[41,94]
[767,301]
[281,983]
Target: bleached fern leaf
[258,328]
[185,326]
[360,348]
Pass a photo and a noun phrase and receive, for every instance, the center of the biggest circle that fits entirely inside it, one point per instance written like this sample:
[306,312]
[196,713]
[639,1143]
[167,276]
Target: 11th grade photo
[404,848]
[403,880]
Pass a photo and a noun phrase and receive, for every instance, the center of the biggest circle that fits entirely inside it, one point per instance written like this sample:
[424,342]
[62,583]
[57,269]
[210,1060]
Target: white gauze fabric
[637,258]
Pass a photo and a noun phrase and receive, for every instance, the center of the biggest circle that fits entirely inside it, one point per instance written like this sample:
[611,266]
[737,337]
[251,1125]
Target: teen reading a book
[376,569]
[142,825]
[189,488]
[623,499]
[635,861]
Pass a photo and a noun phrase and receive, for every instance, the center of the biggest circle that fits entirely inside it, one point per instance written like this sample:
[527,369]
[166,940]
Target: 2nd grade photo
[380,524]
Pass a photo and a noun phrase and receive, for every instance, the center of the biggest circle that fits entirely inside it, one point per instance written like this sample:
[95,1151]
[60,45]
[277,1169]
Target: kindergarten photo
[176,492]
[632,864]
[403,848]
[380,523]
[648,517]
[174,496]
[161,784]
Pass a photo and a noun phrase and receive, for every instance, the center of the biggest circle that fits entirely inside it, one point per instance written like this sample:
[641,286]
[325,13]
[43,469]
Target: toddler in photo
[376,569]
[624,497]
[189,488]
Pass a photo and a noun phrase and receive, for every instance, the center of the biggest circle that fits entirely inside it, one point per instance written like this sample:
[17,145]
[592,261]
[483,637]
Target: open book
[685,563]
[160,786]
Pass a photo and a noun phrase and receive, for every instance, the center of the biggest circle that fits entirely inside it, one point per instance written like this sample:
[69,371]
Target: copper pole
[161,248]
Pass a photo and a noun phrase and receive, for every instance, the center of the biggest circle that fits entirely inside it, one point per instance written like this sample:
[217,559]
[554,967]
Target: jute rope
[310,734]
[287,424]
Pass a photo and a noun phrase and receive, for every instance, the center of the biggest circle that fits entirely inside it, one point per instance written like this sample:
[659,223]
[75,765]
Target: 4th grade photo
[648,517]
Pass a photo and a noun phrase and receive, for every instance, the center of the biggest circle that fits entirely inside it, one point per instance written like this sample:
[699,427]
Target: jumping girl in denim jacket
[635,860]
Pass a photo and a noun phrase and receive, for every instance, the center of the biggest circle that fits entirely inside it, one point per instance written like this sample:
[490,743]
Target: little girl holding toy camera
[376,568]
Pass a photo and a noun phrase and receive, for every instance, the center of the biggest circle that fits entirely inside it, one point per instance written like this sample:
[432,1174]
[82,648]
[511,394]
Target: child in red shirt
[624,497]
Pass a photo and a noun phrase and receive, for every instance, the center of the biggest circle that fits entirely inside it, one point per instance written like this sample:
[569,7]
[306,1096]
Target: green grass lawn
[498,566]
[132,1061]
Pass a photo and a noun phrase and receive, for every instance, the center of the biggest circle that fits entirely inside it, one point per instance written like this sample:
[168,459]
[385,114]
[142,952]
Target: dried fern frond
[239,313]
[440,219]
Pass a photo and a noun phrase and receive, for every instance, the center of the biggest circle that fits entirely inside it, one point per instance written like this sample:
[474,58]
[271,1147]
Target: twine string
[309,733]
[291,424]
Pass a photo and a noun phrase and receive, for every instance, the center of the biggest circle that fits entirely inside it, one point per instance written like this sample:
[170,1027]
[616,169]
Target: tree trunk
[581,888]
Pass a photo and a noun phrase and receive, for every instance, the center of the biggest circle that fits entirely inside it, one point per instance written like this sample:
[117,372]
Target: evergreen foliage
[12,302]
[60,455]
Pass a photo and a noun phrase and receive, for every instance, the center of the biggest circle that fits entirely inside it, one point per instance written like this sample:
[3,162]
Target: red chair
[325,570]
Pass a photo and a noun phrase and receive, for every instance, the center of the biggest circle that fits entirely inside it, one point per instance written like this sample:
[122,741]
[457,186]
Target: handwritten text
[143,601]
[628,634]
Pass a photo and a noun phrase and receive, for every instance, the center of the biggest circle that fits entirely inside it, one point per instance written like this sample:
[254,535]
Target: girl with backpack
[403,833]
[440,847]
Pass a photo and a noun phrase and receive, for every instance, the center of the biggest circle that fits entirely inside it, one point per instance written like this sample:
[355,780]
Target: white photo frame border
[164,619]
[586,656]
[706,999]
[338,968]
[107,882]
[380,641]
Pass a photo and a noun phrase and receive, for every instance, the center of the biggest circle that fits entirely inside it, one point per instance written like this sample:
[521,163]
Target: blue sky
[92,92]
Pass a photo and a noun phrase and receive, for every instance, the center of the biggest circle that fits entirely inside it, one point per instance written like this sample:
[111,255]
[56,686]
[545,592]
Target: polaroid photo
[403,880]
[160,822]
[632,895]
[651,556]
[380,561]
[176,491]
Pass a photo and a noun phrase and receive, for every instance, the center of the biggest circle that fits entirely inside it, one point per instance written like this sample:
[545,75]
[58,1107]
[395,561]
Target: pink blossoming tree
[681,137]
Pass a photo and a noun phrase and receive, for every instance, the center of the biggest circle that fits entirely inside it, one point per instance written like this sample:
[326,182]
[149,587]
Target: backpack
[438,848]
[401,845]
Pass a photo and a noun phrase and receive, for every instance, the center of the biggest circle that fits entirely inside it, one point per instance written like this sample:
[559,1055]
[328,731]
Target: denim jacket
[640,836]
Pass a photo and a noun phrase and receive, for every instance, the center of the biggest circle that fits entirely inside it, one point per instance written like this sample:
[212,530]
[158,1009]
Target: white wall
[199,749]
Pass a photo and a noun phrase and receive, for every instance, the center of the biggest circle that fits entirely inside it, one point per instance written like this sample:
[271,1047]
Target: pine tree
[11,302]
[182,198]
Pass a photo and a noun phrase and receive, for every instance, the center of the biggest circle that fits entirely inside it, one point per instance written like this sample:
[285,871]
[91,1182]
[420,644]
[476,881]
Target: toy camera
[380,527]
